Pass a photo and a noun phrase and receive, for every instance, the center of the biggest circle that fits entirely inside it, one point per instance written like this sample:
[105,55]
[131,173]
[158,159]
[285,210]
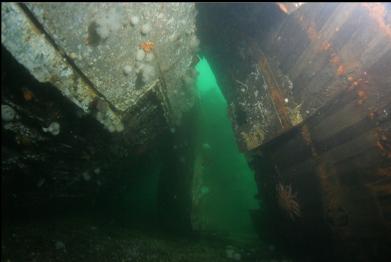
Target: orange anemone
[147,46]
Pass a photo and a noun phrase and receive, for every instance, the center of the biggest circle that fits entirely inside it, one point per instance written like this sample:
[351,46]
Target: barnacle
[147,46]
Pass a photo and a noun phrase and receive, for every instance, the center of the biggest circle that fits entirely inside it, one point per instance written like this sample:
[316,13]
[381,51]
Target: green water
[224,185]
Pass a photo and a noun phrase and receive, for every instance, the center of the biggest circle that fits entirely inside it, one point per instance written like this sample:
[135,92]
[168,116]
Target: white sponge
[108,24]
[140,54]
[134,20]
[145,29]
[53,128]
[149,73]
[7,113]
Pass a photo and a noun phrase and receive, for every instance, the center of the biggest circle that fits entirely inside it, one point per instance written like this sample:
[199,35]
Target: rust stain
[313,35]
[305,133]
[283,7]
[325,46]
[331,193]
[362,96]
[275,93]
[377,12]
[383,142]
[341,70]
[384,171]
[335,59]
[372,115]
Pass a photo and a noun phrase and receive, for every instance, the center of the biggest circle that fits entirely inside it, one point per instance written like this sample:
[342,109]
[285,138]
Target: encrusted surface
[106,57]
[31,48]
[150,40]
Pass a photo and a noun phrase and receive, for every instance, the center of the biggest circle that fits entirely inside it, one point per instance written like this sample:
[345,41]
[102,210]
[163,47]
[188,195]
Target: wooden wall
[310,102]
